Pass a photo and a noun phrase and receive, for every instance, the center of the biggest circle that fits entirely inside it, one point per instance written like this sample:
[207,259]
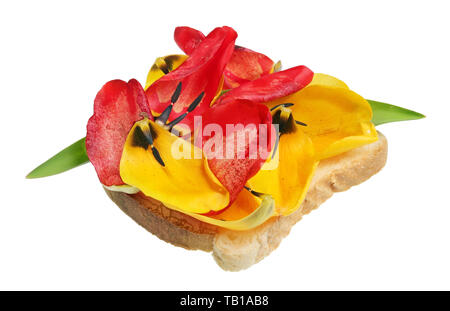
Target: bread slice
[237,250]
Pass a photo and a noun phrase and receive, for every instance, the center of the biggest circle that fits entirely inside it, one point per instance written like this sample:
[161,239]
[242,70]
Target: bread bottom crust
[237,250]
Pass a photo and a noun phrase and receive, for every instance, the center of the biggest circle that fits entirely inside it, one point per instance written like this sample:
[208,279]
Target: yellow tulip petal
[327,80]
[287,176]
[245,204]
[164,65]
[337,118]
[351,137]
[185,181]
[265,210]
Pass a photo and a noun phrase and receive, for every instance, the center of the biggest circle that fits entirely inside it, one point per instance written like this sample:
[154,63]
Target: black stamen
[157,156]
[285,105]
[190,109]
[255,193]
[176,94]
[301,123]
[164,116]
[162,119]
[176,121]
[196,102]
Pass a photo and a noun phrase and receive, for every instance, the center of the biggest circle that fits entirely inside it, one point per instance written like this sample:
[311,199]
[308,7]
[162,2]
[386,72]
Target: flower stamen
[286,124]
[162,119]
[144,139]
[191,107]
[255,193]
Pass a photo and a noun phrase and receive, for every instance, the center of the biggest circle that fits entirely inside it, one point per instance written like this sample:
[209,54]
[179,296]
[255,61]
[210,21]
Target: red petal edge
[233,172]
[117,106]
[188,38]
[244,65]
[201,72]
[270,87]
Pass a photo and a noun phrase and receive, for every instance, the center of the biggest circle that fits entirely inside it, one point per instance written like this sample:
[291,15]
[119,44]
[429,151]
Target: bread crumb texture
[237,250]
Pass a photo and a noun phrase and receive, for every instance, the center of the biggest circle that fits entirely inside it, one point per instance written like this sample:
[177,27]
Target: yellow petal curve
[327,80]
[261,214]
[245,204]
[287,180]
[185,181]
[337,118]
[162,66]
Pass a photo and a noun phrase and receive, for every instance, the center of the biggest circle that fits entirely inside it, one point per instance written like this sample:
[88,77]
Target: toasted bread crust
[237,250]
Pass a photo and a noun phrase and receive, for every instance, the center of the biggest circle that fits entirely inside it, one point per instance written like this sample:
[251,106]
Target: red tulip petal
[201,72]
[116,107]
[188,38]
[244,65]
[234,166]
[270,87]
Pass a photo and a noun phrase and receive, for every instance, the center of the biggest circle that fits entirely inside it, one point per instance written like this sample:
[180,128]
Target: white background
[392,232]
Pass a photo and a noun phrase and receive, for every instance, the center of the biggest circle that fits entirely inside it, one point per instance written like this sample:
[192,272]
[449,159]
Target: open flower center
[283,118]
[144,134]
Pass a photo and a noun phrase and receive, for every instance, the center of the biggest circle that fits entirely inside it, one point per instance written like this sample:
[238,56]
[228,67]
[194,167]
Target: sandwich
[221,150]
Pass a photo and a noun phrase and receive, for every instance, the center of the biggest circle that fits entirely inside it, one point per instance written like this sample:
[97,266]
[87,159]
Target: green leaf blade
[70,157]
[385,113]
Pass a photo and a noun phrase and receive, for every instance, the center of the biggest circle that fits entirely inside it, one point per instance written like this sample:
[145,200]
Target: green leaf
[385,113]
[70,157]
